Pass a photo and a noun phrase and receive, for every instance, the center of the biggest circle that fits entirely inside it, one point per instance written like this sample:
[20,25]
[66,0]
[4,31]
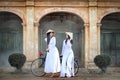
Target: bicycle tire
[37,67]
[76,67]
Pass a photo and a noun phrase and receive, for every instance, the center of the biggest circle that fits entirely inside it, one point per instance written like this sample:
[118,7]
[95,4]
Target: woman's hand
[47,50]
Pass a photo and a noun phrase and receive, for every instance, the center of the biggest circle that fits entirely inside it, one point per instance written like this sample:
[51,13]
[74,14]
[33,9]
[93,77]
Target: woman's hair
[48,38]
[71,41]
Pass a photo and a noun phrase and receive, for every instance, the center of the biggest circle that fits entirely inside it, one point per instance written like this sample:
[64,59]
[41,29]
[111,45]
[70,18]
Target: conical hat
[50,30]
[70,34]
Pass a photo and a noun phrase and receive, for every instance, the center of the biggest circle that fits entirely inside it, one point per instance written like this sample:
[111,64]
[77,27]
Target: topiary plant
[102,61]
[17,60]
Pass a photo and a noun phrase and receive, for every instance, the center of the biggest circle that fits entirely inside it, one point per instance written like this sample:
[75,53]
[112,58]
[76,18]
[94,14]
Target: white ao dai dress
[52,62]
[67,66]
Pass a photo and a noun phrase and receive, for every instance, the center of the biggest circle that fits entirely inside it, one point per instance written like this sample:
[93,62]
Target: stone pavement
[82,75]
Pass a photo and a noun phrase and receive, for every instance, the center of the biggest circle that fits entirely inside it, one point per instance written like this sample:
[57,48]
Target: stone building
[95,24]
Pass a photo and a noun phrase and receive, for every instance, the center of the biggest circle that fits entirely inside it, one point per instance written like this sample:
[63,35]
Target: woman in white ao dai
[52,62]
[67,67]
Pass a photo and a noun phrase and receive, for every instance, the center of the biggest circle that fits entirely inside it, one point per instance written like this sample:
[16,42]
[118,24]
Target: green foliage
[102,61]
[17,60]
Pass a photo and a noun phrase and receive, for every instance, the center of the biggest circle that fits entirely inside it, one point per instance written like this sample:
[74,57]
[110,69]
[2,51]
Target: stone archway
[103,13]
[11,36]
[79,12]
[62,22]
[110,37]
[15,11]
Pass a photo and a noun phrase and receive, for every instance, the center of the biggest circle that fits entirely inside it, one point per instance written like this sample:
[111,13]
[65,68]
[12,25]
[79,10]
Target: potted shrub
[102,61]
[17,60]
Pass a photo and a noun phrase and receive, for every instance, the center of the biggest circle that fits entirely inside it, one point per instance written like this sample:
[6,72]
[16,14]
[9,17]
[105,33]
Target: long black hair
[71,41]
[48,38]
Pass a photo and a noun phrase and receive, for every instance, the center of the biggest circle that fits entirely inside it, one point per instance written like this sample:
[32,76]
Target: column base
[91,65]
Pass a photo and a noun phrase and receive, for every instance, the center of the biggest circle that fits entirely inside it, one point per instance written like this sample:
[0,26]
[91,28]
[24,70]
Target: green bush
[17,60]
[102,61]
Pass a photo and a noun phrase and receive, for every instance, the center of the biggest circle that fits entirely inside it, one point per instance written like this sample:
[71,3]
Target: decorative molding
[29,3]
[92,0]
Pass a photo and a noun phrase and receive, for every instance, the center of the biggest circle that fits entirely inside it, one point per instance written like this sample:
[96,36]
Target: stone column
[98,31]
[24,38]
[36,25]
[86,25]
[30,30]
[93,33]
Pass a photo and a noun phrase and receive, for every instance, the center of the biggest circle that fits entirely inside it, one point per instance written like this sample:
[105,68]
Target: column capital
[36,24]
[23,24]
[99,24]
[86,24]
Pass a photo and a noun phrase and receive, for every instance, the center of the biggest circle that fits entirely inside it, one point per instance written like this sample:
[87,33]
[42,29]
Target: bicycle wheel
[37,67]
[76,67]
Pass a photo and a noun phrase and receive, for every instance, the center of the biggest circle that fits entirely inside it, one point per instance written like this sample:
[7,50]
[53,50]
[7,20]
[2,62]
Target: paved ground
[82,75]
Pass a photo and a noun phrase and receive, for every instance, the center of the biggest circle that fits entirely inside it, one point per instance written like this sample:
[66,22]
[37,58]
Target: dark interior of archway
[11,36]
[66,21]
[110,37]
[62,22]
[111,22]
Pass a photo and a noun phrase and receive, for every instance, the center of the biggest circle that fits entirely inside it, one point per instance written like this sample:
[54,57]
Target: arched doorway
[11,36]
[62,22]
[110,37]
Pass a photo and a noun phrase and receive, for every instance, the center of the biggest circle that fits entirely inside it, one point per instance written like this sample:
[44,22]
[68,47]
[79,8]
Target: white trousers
[67,66]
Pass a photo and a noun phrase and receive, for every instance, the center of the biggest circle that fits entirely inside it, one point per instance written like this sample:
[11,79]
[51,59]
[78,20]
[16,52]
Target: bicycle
[37,65]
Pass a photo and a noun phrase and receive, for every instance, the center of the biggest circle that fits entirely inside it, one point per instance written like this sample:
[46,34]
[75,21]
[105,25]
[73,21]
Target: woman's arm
[63,47]
[47,45]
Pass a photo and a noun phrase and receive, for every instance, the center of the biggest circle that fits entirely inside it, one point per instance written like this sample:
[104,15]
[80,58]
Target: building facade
[95,25]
